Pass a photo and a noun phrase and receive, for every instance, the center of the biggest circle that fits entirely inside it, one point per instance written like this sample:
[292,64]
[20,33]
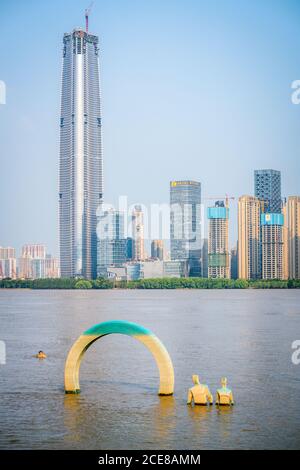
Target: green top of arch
[117,326]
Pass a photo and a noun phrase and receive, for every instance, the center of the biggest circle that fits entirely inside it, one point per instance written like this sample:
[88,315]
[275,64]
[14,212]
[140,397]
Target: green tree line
[156,283]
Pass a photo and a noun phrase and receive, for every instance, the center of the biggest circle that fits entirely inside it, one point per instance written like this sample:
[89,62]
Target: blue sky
[190,89]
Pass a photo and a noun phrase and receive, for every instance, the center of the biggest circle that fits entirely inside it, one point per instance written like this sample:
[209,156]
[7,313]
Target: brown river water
[245,335]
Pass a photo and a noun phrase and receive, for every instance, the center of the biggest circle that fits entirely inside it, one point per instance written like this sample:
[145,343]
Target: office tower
[272,245]
[138,234]
[34,251]
[267,187]
[8,264]
[218,253]
[112,244]
[294,236]
[285,240]
[157,249]
[80,180]
[185,223]
[234,263]
[249,209]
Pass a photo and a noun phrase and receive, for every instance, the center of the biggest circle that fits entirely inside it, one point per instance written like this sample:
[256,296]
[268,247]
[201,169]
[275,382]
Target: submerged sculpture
[224,395]
[161,355]
[199,393]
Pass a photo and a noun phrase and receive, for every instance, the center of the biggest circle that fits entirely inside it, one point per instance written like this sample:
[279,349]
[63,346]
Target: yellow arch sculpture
[161,355]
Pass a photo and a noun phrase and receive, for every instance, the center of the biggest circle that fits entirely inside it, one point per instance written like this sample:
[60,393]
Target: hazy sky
[190,89]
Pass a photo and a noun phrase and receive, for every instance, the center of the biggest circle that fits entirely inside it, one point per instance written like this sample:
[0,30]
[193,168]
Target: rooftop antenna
[87,13]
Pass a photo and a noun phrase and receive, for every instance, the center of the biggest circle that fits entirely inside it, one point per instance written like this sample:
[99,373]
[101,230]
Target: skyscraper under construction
[80,179]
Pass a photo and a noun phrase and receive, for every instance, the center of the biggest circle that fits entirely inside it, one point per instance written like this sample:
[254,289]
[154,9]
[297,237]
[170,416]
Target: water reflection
[164,413]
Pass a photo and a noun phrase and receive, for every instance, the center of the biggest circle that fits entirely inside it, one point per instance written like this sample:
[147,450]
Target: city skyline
[275,148]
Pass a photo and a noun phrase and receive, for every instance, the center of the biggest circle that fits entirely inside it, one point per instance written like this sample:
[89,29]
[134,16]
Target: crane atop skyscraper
[226,198]
[87,13]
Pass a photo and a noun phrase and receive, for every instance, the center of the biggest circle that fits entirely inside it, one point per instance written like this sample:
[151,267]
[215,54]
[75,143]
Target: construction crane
[222,198]
[87,13]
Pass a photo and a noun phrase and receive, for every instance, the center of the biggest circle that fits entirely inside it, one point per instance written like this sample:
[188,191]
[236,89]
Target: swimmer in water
[41,355]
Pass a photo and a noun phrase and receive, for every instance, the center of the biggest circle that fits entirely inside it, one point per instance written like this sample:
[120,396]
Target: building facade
[112,244]
[7,252]
[8,262]
[138,246]
[218,251]
[185,223]
[157,249]
[272,245]
[294,236]
[34,251]
[234,263]
[80,180]
[285,239]
[267,187]
[249,253]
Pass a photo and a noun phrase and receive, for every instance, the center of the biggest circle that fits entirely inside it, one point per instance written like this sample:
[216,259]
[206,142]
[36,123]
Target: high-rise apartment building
[294,236]
[218,252]
[267,187]
[8,263]
[157,249]
[285,240]
[80,180]
[138,246]
[272,245]
[249,265]
[185,223]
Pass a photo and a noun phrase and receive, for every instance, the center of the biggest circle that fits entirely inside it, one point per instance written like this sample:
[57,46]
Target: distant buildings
[267,187]
[293,210]
[33,263]
[266,226]
[249,264]
[112,244]
[153,268]
[218,251]
[185,223]
[157,249]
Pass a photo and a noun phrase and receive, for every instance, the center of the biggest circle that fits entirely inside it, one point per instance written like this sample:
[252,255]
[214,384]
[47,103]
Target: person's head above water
[41,352]
[224,382]
[195,379]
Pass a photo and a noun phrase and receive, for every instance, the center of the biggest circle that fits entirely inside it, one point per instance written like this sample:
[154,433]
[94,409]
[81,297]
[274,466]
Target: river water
[245,335]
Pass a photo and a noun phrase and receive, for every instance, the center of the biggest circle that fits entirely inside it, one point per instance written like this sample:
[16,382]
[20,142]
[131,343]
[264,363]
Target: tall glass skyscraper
[267,187]
[80,180]
[185,223]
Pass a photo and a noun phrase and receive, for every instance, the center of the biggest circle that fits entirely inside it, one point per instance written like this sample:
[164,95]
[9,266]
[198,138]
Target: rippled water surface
[245,335]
